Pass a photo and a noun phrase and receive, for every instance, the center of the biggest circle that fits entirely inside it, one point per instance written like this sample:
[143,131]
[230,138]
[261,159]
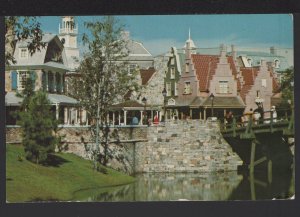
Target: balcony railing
[65,30]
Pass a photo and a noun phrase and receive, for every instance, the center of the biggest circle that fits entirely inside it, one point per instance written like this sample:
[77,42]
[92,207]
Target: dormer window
[23,53]
[249,62]
[187,88]
[276,64]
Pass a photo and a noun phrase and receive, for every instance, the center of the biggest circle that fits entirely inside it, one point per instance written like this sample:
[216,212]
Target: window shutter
[33,77]
[14,77]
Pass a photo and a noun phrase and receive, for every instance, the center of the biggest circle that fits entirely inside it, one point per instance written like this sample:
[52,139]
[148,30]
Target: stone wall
[182,146]
[185,146]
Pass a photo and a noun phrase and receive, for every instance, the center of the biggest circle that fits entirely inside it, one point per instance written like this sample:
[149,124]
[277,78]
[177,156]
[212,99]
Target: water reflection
[190,186]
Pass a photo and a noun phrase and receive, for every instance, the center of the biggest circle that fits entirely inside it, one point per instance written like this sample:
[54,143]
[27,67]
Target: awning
[12,100]
[225,102]
[62,99]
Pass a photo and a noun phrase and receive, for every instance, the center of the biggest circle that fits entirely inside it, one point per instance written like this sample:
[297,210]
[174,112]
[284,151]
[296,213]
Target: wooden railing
[247,129]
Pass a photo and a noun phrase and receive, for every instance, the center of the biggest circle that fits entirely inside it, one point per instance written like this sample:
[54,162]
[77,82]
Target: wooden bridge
[271,134]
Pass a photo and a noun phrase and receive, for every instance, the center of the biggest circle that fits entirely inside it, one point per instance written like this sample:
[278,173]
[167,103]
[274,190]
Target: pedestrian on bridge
[274,113]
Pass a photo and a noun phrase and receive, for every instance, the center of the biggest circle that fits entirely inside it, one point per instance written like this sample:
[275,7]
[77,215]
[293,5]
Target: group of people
[145,121]
[257,116]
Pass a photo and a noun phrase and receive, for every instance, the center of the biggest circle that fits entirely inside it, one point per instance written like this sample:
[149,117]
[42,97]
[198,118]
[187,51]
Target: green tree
[287,87]
[39,127]
[104,78]
[20,28]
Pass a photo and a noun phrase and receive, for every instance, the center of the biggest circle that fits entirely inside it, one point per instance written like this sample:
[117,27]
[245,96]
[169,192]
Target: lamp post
[164,93]
[212,97]
[144,100]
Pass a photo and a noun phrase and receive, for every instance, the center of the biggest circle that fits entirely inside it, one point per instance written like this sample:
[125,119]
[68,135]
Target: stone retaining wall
[185,146]
[182,146]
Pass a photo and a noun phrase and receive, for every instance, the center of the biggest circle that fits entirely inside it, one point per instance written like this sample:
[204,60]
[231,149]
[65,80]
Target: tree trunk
[9,43]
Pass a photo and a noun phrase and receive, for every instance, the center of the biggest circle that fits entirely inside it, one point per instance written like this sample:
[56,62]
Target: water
[197,187]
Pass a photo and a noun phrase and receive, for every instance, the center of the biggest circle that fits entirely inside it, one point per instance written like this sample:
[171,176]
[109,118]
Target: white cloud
[159,46]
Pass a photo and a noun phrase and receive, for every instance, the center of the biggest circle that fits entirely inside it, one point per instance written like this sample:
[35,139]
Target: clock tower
[68,31]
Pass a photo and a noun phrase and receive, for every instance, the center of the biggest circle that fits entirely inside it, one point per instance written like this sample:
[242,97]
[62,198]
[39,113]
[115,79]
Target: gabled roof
[206,65]
[38,58]
[146,74]
[249,75]
[137,48]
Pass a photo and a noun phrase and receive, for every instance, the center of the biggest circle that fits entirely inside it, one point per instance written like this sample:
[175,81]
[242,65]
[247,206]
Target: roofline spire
[189,33]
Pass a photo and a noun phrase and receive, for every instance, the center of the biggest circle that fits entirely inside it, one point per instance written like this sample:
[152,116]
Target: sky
[159,33]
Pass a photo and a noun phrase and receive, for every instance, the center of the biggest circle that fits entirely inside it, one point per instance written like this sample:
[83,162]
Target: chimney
[233,52]
[223,50]
[273,50]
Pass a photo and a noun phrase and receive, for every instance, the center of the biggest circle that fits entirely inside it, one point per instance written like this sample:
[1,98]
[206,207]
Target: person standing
[274,113]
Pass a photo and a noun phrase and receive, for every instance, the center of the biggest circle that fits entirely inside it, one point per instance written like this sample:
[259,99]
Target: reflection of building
[48,69]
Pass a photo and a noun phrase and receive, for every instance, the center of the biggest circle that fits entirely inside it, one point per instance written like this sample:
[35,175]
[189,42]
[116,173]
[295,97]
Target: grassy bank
[64,175]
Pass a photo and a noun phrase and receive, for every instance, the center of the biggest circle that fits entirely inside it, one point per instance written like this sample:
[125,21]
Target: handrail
[249,123]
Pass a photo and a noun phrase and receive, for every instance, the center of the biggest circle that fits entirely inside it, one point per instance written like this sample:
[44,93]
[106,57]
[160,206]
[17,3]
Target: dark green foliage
[21,28]
[27,93]
[39,127]
[287,88]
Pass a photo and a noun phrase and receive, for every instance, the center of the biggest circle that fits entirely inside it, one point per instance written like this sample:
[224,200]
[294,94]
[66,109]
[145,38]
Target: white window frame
[172,72]
[187,87]
[21,79]
[23,53]
[250,61]
[187,67]
[223,87]
[264,83]
[175,89]
[169,89]
[172,61]
[131,68]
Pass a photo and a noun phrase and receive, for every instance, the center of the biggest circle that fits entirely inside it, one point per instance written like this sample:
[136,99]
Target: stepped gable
[249,75]
[205,66]
[276,85]
[234,71]
[146,74]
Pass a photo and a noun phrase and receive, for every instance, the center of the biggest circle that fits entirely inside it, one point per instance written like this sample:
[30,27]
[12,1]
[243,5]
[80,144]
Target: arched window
[249,61]
[276,64]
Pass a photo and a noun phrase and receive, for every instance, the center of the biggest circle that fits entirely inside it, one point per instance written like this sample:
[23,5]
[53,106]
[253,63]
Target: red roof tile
[249,75]
[146,74]
[205,66]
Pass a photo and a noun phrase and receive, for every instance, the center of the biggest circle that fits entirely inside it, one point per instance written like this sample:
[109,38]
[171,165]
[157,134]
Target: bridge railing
[248,121]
